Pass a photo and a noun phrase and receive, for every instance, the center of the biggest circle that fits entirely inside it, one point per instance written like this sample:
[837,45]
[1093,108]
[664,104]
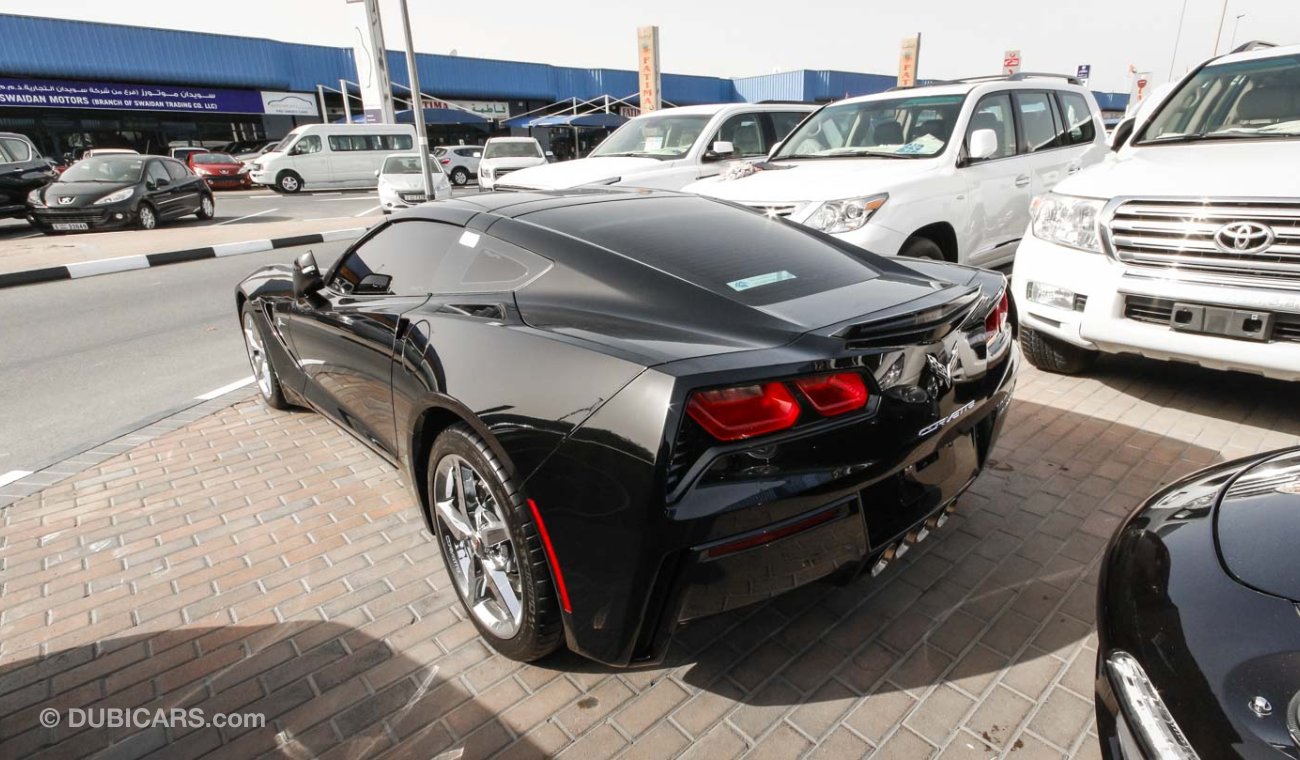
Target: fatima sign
[647,43]
[909,56]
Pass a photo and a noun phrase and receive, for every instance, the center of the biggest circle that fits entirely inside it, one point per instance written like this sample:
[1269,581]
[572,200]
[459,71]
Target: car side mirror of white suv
[983,143]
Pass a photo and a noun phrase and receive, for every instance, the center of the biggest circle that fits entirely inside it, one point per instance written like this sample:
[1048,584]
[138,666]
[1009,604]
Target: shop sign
[47,93]
[289,104]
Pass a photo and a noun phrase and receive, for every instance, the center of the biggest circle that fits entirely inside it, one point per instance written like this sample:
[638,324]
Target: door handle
[1072,169]
[1022,180]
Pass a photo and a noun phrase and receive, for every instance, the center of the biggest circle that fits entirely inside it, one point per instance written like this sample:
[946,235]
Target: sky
[732,38]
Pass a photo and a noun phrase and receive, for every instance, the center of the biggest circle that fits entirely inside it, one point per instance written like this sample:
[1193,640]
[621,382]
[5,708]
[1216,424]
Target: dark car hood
[81,193]
[1258,526]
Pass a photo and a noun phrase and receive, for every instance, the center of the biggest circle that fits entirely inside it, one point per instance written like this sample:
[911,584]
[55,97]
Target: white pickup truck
[1185,243]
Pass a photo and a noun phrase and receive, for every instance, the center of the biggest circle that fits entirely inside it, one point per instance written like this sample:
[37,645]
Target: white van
[671,148]
[319,156]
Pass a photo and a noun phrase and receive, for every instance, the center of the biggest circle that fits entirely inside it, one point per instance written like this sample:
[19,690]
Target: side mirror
[720,150]
[306,276]
[983,143]
[162,182]
[1123,131]
[376,173]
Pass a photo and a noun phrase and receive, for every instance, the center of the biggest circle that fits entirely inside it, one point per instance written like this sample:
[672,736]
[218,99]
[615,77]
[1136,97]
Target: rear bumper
[741,543]
[1101,323]
[229,183]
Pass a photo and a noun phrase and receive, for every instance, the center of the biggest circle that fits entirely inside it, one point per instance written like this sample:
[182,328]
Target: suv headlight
[845,215]
[1067,220]
[1141,704]
[120,195]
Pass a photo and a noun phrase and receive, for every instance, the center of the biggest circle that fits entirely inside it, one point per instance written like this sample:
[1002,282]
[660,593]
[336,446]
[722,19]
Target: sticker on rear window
[759,280]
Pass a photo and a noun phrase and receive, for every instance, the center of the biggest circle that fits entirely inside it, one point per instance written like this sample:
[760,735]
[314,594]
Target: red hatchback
[220,170]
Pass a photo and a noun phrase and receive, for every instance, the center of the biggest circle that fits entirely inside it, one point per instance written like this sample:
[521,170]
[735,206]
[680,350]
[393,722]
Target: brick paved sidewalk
[263,562]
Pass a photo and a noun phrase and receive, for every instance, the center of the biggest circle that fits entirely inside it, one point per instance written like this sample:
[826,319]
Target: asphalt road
[85,360]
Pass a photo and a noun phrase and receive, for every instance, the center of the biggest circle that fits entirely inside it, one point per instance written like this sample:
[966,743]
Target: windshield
[1257,99]
[664,137]
[105,169]
[213,158]
[916,127]
[527,149]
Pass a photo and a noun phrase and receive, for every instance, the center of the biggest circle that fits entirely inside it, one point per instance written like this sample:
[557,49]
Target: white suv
[944,171]
[1186,244]
[673,147]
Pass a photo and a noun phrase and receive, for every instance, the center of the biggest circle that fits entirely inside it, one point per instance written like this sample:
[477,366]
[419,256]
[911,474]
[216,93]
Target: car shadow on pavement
[319,687]
[997,607]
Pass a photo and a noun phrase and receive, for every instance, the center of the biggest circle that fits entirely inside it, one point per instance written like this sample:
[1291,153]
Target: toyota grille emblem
[1243,237]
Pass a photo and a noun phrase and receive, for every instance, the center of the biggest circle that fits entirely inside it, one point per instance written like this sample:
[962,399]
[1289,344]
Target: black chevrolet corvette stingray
[623,410]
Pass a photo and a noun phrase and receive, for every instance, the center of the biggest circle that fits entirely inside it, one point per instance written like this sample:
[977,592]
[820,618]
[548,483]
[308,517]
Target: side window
[482,264]
[1079,126]
[156,172]
[1038,123]
[308,144]
[784,122]
[400,260]
[12,149]
[994,112]
[177,170]
[744,132]
[395,142]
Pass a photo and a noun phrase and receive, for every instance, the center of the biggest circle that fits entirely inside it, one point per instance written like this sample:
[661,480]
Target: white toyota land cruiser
[1185,243]
[944,171]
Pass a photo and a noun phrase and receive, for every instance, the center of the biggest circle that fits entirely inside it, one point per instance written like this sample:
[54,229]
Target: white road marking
[250,216]
[235,249]
[223,390]
[13,475]
[368,211]
[104,266]
[352,198]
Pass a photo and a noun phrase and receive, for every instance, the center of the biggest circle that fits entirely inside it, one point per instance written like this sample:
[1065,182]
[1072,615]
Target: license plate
[70,226]
[1246,324]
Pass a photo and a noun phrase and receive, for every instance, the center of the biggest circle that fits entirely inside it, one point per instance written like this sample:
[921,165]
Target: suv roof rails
[1246,47]
[1019,76]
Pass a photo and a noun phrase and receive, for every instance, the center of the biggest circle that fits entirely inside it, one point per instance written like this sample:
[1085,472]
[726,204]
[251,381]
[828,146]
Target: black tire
[460,176]
[146,217]
[540,630]
[288,182]
[922,248]
[207,207]
[1051,355]
[271,391]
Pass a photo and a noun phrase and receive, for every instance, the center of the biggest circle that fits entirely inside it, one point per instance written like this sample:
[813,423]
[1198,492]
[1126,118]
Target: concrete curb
[76,460]
[81,269]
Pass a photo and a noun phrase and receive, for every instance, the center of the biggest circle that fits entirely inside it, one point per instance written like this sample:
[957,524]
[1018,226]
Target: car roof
[714,108]
[1258,53]
[513,139]
[967,88]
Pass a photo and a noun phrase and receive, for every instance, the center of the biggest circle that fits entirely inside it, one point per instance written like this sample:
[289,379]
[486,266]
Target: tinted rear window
[733,252]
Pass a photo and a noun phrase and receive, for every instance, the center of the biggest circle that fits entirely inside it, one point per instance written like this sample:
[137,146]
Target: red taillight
[445,161]
[834,394]
[997,318]
[730,414]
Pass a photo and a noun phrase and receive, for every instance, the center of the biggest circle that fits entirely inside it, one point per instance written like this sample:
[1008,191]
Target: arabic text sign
[647,42]
[45,93]
[908,54]
[1010,62]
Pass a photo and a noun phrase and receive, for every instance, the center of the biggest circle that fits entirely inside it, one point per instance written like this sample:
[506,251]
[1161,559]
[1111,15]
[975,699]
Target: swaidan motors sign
[51,93]
[909,56]
[1011,62]
[372,62]
[647,44]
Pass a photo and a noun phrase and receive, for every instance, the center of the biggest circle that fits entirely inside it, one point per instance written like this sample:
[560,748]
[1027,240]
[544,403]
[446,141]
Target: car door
[160,191]
[997,187]
[311,162]
[188,185]
[1081,127]
[1046,155]
[345,335]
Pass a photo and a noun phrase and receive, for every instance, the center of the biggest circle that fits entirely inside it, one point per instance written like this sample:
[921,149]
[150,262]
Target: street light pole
[1219,34]
[1177,37]
[417,106]
[1232,43]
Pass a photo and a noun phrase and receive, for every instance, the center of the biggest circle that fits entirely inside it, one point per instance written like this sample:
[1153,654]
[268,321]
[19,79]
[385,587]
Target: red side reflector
[550,555]
[834,394]
[730,414]
[775,534]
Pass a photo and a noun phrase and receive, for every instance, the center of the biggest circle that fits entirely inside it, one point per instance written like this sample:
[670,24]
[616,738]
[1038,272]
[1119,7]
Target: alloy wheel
[257,356]
[289,183]
[206,205]
[147,218]
[480,556]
